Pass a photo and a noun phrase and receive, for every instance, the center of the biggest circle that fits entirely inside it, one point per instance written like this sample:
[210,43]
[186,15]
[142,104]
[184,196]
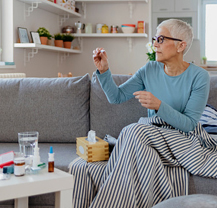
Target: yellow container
[90,151]
[105,29]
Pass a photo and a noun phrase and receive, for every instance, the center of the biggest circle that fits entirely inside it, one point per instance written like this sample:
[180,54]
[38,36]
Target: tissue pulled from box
[91,136]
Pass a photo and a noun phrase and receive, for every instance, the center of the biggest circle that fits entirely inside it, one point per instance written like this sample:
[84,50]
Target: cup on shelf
[99,27]
[88,28]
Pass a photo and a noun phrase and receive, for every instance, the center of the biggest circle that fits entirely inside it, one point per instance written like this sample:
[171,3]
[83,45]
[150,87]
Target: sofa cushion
[212,100]
[202,185]
[106,118]
[190,201]
[58,108]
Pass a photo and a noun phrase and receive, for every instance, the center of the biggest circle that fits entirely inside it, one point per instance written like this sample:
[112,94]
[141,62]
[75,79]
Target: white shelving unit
[35,47]
[130,4]
[46,5]
[8,67]
[51,7]
[65,14]
[112,1]
[45,47]
[129,37]
[111,35]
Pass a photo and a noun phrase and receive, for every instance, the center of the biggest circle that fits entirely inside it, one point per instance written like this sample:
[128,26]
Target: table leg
[21,202]
[63,199]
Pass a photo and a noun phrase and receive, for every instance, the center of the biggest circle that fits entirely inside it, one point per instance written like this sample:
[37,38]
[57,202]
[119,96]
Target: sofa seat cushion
[190,201]
[202,185]
[58,108]
[64,153]
[106,118]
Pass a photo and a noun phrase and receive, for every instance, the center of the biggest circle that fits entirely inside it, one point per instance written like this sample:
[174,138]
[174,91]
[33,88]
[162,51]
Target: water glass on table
[27,142]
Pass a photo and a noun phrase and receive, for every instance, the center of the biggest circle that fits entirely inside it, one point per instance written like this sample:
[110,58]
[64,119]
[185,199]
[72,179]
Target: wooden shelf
[111,35]
[52,7]
[45,47]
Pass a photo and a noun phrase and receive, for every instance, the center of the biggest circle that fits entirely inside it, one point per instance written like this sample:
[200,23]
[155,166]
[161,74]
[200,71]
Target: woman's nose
[155,43]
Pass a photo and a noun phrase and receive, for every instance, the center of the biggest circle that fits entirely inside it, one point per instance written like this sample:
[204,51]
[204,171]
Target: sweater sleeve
[188,119]
[122,93]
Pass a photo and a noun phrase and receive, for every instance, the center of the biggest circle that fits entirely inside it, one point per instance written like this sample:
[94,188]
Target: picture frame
[23,35]
[35,37]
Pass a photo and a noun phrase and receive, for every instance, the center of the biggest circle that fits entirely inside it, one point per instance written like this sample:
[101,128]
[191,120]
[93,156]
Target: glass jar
[19,166]
[114,29]
[105,29]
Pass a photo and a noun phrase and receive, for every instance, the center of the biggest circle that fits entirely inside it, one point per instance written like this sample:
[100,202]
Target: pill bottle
[19,166]
[51,160]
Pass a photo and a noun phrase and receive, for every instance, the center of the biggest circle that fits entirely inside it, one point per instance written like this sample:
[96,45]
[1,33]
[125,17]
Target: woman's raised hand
[100,60]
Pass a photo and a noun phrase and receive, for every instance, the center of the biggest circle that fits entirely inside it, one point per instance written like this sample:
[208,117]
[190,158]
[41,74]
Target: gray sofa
[61,109]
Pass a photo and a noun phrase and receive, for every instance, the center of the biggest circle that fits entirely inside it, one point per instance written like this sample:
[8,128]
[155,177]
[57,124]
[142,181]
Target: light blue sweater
[183,97]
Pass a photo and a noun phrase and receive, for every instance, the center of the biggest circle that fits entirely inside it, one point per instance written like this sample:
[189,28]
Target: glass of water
[27,142]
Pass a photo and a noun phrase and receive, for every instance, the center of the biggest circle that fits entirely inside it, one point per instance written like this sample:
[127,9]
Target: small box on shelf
[141,27]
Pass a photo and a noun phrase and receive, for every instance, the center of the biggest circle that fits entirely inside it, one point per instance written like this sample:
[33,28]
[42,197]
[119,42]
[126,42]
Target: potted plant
[67,40]
[44,35]
[204,60]
[58,40]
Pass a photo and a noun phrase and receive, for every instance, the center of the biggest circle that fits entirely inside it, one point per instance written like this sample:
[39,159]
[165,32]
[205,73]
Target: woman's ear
[181,46]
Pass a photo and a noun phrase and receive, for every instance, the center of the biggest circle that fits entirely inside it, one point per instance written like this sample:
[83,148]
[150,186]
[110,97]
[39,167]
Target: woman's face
[167,50]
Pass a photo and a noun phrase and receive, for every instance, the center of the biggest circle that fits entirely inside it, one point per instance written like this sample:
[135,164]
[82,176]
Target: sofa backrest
[58,108]
[106,118]
[212,100]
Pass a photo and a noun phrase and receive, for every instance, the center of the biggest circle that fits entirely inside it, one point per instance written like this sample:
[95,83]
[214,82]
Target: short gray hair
[179,29]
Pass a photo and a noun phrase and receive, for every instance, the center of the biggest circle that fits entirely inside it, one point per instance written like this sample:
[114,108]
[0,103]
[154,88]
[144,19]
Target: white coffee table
[20,188]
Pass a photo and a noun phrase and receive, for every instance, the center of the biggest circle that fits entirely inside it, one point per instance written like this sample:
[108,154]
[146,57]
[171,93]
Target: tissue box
[90,151]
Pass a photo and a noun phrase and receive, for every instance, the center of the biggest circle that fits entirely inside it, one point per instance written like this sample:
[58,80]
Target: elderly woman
[152,158]
[175,90]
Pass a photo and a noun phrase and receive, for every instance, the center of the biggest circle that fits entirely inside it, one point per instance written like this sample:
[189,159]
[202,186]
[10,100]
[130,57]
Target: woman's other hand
[147,100]
[100,60]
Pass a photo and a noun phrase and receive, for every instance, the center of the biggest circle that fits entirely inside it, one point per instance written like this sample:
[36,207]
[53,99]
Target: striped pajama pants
[149,164]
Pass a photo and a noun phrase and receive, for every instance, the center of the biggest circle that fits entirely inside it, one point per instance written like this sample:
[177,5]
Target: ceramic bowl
[128,29]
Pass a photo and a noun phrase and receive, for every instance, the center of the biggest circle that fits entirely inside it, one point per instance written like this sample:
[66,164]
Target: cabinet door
[186,5]
[163,5]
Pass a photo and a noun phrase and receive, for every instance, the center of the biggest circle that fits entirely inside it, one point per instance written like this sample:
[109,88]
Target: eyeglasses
[160,39]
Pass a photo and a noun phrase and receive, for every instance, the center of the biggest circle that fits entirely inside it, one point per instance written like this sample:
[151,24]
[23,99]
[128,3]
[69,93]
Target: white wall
[122,61]
[0,29]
